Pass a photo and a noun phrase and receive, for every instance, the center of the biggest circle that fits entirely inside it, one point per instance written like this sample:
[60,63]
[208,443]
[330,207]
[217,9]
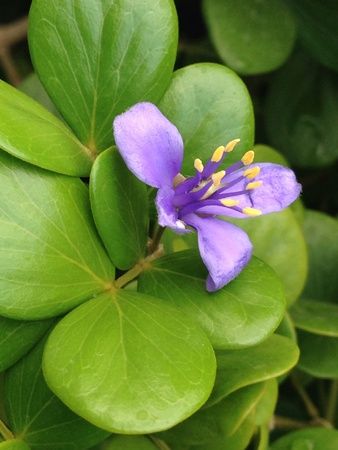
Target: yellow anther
[218,153]
[229,202]
[248,157]
[231,145]
[217,177]
[253,185]
[198,165]
[251,211]
[252,172]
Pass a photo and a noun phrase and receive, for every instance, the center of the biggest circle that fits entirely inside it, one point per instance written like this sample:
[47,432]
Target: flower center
[215,192]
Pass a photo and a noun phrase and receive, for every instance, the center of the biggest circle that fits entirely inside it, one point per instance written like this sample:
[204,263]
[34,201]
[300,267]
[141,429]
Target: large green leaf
[317,24]
[130,443]
[308,438]
[278,239]
[251,37]
[210,105]
[239,368]
[321,234]
[38,416]
[32,86]
[316,317]
[267,402]
[241,314]
[318,354]
[218,421]
[17,337]
[50,256]
[301,106]
[30,132]
[14,444]
[153,367]
[120,209]
[103,56]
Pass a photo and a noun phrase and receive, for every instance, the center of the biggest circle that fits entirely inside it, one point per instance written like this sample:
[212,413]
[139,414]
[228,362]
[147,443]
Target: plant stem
[161,445]
[286,422]
[332,402]
[308,403]
[5,432]
[155,242]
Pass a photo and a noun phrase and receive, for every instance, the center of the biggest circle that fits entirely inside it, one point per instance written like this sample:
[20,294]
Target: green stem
[308,403]
[332,402]
[155,242]
[287,423]
[5,432]
[161,445]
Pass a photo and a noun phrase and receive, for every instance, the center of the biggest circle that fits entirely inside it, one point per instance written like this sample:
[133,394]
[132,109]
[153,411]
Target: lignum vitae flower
[152,148]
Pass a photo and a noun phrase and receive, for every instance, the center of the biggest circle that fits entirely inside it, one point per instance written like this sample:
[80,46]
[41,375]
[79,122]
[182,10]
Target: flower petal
[167,214]
[224,248]
[150,145]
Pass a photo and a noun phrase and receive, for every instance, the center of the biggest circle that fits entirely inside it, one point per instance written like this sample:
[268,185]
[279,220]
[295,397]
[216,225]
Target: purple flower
[152,148]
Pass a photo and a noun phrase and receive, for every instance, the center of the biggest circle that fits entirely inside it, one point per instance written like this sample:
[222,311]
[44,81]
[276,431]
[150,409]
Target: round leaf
[51,258]
[243,313]
[30,132]
[308,438]
[120,209]
[238,368]
[102,58]
[210,105]
[251,37]
[14,444]
[267,402]
[316,317]
[38,416]
[153,368]
[130,443]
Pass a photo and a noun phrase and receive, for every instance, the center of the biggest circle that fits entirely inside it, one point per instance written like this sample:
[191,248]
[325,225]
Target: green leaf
[14,444]
[130,443]
[308,438]
[301,105]
[153,367]
[241,314]
[317,25]
[210,105]
[316,317]
[17,337]
[251,37]
[50,256]
[321,234]
[267,402]
[278,239]
[38,416]
[102,58]
[30,132]
[239,368]
[218,421]
[32,86]
[318,354]
[120,209]
[287,328]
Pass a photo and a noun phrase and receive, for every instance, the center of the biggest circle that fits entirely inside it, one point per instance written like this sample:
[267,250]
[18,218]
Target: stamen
[251,211]
[229,202]
[252,172]
[217,177]
[253,185]
[231,145]
[218,153]
[198,165]
[248,157]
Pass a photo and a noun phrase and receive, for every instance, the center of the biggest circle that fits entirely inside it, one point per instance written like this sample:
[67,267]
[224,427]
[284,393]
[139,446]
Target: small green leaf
[308,438]
[102,58]
[321,234]
[264,153]
[239,368]
[278,239]
[251,37]
[38,416]
[316,317]
[120,209]
[318,354]
[267,402]
[51,258]
[299,120]
[130,443]
[218,421]
[210,105]
[14,444]
[30,132]
[241,314]
[17,337]
[153,367]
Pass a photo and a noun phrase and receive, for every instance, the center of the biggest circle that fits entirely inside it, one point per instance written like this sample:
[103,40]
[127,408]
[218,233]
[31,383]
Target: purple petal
[224,248]
[150,145]
[167,214]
